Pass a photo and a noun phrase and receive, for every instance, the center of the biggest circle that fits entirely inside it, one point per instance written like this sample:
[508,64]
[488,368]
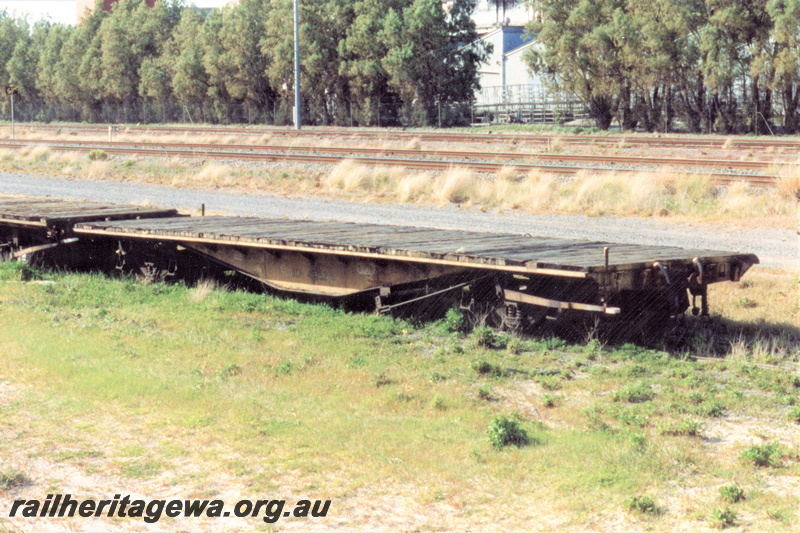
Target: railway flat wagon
[505,280]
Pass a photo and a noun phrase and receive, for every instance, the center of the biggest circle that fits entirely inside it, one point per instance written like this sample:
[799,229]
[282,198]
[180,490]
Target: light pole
[11,91]
[296,68]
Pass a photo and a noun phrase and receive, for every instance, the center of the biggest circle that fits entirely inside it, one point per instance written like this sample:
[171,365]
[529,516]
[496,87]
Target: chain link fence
[279,113]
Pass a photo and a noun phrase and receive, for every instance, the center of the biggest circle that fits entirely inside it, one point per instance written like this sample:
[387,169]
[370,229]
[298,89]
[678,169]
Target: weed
[634,393]
[18,271]
[381,380]
[642,504]
[483,336]
[505,431]
[550,400]
[593,348]
[638,441]
[685,428]
[723,518]
[745,303]
[141,469]
[437,402]
[436,376]
[636,371]
[711,409]
[484,393]
[776,514]
[513,345]
[230,371]
[12,478]
[97,155]
[455,321]
[550,383]
[763,455]
[697,397]
[485,368]
[794,414]
[731,493]
[285,368]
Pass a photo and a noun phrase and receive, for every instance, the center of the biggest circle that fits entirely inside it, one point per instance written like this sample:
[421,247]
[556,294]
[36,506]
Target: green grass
[348,401]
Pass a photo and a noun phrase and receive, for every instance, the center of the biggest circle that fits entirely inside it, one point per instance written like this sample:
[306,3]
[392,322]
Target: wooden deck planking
[46,211]
[389,241]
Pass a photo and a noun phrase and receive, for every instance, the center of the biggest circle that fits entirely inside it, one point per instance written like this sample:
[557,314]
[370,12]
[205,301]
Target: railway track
[791,144]
[482,162]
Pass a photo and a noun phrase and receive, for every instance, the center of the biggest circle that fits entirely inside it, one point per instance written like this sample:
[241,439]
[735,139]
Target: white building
[505,77]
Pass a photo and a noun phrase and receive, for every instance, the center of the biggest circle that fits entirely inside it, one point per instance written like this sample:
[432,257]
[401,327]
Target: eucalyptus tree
[22,66]
[48,76]
[785,60]
[77,74]
[131,35]
[584,52]
[215,64]
[735,32]
[663,55]
[14,39]
[243,27]
[182,60]
[362,52]
[323,82]
[433,54]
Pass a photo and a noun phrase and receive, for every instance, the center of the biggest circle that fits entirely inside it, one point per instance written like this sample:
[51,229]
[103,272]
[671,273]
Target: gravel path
[777,248]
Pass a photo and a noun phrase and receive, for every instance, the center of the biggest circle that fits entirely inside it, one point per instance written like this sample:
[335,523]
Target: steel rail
[639,140]
[523,157]
[230,152]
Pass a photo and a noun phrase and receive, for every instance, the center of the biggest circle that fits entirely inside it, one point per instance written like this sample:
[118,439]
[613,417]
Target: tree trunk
[790,119]
[601,110]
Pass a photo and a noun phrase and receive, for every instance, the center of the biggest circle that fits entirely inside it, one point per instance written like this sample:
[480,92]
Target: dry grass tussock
[68,158]
[203,289]
[457,185]
[555,144]
[177,163]
[349,176]
[264,139]
[660,193]
[413,187]
[508,173]
[35,154]
[736,198]
[788,184]
[414,144]
[98,169]
[213,174]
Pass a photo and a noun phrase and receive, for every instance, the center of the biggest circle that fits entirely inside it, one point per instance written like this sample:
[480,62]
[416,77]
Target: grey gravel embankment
[776,247]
